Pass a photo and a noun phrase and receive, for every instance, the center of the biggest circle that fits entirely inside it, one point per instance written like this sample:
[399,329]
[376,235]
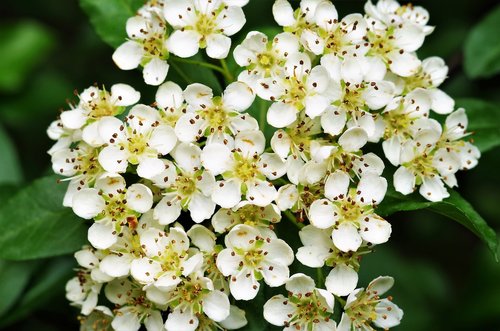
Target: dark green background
[445,277]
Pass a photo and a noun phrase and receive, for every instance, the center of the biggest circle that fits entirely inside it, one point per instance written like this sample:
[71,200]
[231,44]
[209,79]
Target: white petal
[336,185]
[139,198]
[91,136]
[249,143]
[261,193]
[442,103]
[201,207]
[87,203]
[128,55]
[227,193]
[189,127]
[380,285]
[379,95]
[235,320]
[346,237]
[163,139]
[124,95]
[433,189]
[277,309]
[202,238]
[181,321]
[342,280]
[155,71]
[405,64]
[281,143]
[409,37]
[312,256]
[281,114]
[244,286]
[372,189]
[113,159]
[219,164]
[228,262]
[272,166]
[238,96]
[154,322]
[169,95]
[333,120]
[183,43]
[315,105]
[73,119]
[375,230]
[150,168]
[216,305]
[115,266]
[312,42]
[176,12]
[218,46]
[167,210]
[388,314]
[392,150]
[187,156]
[283,13]
[288,196]
[404,181]
[298,65]
[144,270]
[86,258]
[353,139]
[321,214]
[126,322]
[300,284]
[102,236]
[275,275]
[231,20]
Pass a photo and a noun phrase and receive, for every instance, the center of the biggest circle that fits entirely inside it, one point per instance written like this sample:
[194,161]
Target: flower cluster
[186,197]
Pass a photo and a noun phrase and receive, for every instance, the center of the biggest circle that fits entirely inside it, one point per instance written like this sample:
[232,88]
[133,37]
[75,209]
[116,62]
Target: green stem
[293,219]
[227,73]
[201,64]
[262,115]
[181,73]
[320,278]
[340,300]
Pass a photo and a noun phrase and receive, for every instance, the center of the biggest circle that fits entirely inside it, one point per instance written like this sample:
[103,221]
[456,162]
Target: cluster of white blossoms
[186,198]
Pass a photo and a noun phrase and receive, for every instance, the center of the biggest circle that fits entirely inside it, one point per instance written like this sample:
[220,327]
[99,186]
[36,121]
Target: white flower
[392,13]
[83,291]
[139,141]
[306,307]
[63,136]
[166,259]
[263,217]
[298,21]
[341,38]
[250,257]
[295,139]
[171,104]
[96,103]
[245,170]
[193,297]
[351,211]
[90,259]
[403,118]
[187,187]
[146,47]
[202,24]
[364,307]
[218,118]
[262,58]
[396,45]
[133,307]
[295,88]
[359,87]
[319,250]
[80,164]
[110,203]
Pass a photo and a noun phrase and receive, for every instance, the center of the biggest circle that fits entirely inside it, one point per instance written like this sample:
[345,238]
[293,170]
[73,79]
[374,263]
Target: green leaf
[24,45]
[10,169]
[189,73]
[482,47]
[35,224]
[109,17]
[14,277]
[47,284]
[484,120]
[454,207]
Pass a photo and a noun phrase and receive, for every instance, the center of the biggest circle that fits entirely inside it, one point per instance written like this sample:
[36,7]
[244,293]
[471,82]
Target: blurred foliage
[445,277]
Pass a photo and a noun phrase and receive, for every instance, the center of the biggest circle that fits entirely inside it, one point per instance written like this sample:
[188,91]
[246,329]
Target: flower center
[421,166]
[100,105]
[381,43]
[116,210]
[309,311]
[295,92]
[362,312]
[246,168]
[420,79]
[205,25]
[185,186]
[397,123]
[137,145]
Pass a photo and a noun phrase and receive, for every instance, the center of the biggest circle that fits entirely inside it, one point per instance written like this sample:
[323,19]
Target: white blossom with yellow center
[202,24]
[262,57]
[245,169]
[350,211]
[297,87]
[365,308]
[217,118]
[250,257]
